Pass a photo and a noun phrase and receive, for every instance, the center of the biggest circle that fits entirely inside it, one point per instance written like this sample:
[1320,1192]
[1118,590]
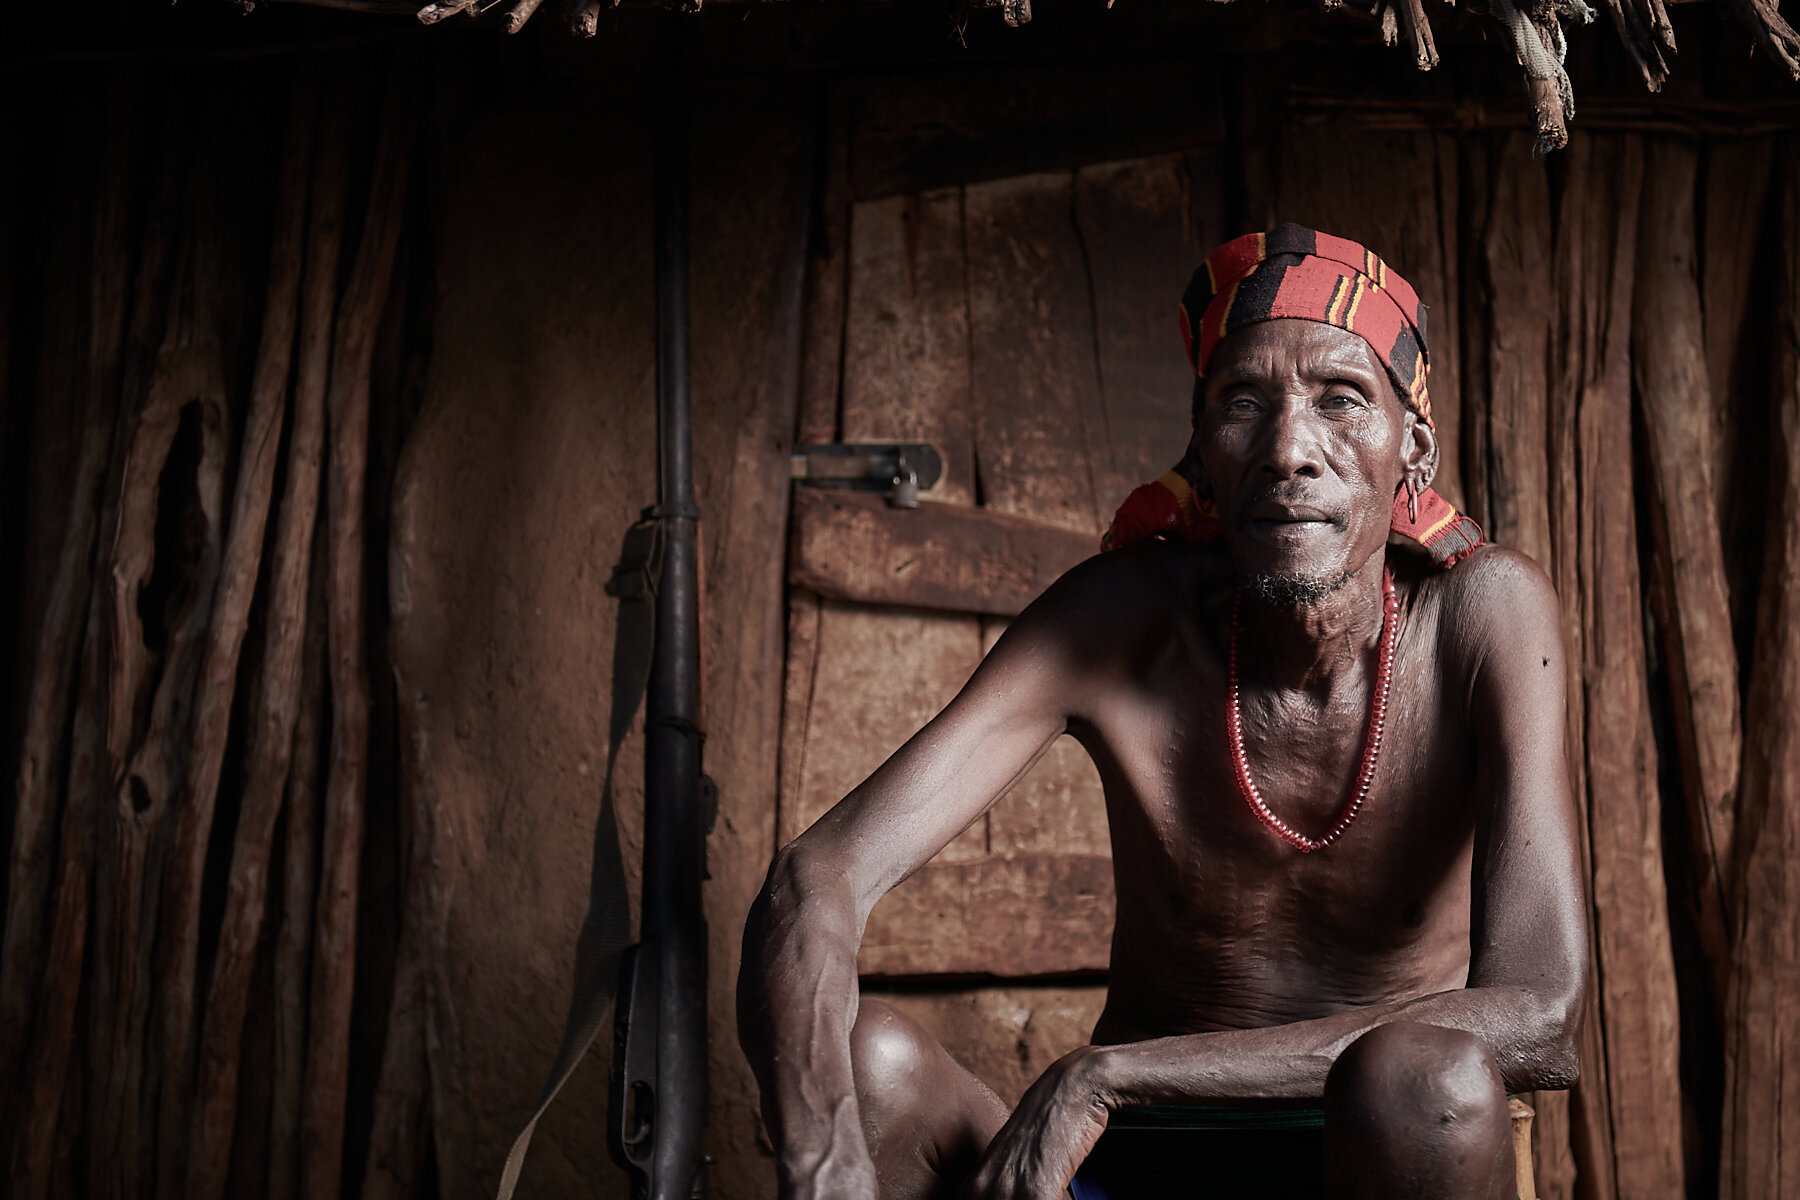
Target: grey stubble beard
[1294,591]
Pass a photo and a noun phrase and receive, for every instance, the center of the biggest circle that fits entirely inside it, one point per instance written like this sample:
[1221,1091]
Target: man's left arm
[1528,932]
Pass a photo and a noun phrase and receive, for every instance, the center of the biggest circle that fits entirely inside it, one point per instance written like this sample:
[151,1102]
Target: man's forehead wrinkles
[1321,354]
[1290,338]
[1313,364]
[1338,363]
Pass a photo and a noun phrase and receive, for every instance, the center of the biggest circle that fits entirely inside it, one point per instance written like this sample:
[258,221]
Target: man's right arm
[797,990]
[797,1001]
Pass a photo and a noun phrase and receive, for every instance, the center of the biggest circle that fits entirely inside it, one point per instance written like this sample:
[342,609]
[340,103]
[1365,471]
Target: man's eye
[1340,400]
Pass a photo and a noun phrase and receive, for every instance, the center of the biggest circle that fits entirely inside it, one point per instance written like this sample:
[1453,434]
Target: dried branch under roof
[1535,30]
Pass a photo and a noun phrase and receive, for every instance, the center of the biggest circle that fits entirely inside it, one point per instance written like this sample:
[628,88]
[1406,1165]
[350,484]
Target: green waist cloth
[1206,1153]
[1198,1152]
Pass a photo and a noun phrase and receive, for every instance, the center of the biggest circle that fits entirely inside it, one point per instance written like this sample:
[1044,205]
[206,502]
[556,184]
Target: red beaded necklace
[1359,791]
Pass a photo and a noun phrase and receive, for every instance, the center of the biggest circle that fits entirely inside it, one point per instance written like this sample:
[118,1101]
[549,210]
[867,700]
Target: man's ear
[1418,453]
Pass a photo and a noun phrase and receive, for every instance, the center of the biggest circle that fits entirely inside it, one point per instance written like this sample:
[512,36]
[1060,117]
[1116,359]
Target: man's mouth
[1272,515]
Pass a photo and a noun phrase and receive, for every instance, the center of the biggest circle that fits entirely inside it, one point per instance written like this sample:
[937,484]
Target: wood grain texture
[1143,227]
[1552,1161]
[1039,421]
[302,632]
[1572,1130]
[1057,308]
[147,799]
[1523,1120]
[398,1149]
[1637,1009]
[1042,427]
[823,321]
[881,673]
[827,276]
[121,1055]
[906,337]
[147,756]
[800,674]
[1514,272]
[956,558]
[142,658]
[1476,179]
[299,884]
[1410,219]
[1762,1033]
[1736,187]
[271,736]
[56,655]
[1005,915]
[1004,120]
[1514,424]
[1688,586]
[347,412]
[34,1167]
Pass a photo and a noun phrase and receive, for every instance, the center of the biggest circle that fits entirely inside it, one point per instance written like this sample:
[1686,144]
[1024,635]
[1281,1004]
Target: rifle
[657,1093]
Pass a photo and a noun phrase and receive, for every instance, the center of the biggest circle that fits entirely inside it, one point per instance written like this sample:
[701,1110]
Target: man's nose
[1292,445]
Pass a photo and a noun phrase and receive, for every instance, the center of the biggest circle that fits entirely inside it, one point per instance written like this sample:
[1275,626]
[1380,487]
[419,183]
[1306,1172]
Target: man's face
[1305,442]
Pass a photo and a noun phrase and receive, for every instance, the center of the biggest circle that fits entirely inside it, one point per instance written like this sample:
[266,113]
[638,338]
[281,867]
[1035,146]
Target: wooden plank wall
[983,259]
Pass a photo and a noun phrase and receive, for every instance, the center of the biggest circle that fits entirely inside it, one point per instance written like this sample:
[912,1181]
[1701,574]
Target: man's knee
[1415,1099]
[923,1115]
[887,1049]
[1407,1068]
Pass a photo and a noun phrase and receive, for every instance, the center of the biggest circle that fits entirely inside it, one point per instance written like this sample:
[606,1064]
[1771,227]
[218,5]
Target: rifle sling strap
[606,929]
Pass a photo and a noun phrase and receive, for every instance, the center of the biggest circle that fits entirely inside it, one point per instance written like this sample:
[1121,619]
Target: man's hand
[1048,1136]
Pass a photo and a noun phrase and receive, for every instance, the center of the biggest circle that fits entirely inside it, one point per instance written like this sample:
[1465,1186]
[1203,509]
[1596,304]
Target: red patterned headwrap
[1297,272]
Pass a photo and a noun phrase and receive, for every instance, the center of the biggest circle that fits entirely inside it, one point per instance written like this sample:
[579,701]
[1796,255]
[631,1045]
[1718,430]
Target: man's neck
[1311,647]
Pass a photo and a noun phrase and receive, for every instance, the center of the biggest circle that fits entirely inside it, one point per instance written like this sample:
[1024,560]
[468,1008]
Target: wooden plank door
[1026,328]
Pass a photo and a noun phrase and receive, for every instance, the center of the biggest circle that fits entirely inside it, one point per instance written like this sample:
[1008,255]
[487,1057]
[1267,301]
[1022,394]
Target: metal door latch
[897,470]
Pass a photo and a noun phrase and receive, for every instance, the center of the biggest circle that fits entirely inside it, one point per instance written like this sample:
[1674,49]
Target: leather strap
[606,929]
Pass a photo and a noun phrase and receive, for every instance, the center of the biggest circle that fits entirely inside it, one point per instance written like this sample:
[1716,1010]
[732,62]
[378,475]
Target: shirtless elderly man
[1349,916]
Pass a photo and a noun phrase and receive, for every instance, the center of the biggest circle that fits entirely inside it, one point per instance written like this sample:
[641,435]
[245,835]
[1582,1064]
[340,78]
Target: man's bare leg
[1417,1111]
[926,1117]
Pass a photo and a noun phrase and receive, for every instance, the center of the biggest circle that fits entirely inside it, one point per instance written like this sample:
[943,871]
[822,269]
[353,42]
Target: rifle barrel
[673,921]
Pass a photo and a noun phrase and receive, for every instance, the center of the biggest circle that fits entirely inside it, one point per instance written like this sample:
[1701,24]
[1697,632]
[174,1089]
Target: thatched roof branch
[1773,34]
[1535,31]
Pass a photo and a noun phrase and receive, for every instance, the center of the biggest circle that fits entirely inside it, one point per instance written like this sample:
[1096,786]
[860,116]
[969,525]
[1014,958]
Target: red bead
[1359,790]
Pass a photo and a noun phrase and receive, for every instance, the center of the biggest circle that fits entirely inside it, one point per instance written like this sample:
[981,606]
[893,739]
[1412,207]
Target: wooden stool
[1521,1134]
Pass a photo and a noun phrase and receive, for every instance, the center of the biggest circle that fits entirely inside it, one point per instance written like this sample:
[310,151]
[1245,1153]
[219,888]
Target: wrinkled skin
[1411,973]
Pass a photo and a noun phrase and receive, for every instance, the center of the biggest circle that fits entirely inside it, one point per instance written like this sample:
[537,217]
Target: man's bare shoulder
[1496,604]
[1497,582]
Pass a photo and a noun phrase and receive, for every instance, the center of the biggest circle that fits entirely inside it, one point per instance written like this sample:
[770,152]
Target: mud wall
[533,452]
